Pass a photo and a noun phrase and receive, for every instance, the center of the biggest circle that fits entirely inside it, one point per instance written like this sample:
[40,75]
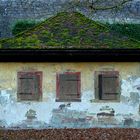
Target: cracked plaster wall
[84,114]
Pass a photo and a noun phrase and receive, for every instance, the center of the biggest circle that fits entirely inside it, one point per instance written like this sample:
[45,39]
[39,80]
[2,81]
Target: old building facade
[71,95]
[69,72]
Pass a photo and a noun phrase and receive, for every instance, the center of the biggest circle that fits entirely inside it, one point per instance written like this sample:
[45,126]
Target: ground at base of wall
[72,134]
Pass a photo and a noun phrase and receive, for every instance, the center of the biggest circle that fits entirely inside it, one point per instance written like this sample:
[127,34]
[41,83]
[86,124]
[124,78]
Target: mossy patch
[69,30]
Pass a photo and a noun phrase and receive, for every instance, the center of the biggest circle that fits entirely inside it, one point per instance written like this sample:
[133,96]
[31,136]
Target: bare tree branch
[119,4]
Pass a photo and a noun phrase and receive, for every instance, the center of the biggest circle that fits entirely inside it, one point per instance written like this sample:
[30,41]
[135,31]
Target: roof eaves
[70,55]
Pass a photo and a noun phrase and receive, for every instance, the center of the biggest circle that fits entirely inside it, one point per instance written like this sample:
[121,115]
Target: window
[29,86]
[107,85]
[68,87]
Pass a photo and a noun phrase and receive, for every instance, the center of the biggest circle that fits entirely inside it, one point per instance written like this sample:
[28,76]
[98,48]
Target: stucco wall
[84,114]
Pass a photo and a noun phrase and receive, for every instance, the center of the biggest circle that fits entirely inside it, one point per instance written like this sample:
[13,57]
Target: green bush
[130,30]
[23,25]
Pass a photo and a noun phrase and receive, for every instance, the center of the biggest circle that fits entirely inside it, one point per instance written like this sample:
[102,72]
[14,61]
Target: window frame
[58,87]
[96,85]
[22,74]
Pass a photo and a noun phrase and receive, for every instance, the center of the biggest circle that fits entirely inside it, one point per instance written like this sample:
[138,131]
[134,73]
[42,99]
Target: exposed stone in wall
[30,122]
[128,122]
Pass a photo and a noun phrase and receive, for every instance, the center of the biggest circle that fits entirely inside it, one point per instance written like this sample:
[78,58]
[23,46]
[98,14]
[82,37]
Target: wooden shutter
[69,86]
[29,86]
[108,86]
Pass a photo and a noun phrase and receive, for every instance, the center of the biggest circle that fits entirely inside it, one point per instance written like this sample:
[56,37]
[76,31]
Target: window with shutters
[107,85]
[29,86]
[68,87]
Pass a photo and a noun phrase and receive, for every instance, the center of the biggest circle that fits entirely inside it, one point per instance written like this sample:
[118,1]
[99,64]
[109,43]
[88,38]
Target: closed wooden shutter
[108,87]
[69,86]
[28,86]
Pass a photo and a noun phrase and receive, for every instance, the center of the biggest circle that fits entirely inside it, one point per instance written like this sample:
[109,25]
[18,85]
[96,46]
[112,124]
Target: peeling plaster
[83,114]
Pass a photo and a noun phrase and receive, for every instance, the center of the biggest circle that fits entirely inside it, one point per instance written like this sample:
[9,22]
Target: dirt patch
[72,134]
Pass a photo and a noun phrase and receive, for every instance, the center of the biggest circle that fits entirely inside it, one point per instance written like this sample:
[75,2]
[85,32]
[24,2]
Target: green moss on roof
[69,30]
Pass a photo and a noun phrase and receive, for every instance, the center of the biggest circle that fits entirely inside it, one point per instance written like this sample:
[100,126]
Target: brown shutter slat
[28,86]
[100,86]
[68,86]
[108,87]
[36,87]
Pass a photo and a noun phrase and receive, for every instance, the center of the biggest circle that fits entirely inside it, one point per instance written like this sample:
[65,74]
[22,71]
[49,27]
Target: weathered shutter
[28,86]
[69,89]
[108,87]
[35,95]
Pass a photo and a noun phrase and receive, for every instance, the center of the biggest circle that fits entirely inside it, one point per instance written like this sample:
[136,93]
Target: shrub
[21,26]
[130,30]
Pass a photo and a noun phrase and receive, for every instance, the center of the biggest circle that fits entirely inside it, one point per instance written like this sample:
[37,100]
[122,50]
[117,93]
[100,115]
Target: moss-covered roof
[69,30]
